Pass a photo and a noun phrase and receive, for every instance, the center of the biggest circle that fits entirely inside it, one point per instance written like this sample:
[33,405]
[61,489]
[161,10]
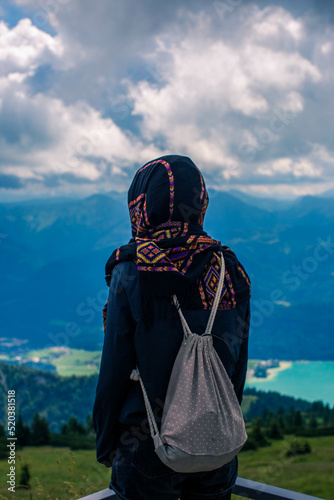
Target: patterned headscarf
[167,202]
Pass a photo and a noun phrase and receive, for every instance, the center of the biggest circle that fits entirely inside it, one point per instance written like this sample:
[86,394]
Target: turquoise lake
[310,380]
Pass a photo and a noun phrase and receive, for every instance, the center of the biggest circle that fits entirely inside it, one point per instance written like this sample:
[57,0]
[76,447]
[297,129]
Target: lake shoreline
[272,372]
[309,380]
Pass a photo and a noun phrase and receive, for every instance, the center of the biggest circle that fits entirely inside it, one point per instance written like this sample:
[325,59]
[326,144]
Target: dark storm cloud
[11,182]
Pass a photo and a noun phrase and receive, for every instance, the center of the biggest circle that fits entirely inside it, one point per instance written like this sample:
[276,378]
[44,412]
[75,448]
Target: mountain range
[53,254]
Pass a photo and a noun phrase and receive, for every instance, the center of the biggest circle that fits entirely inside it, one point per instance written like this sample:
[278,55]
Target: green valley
[59,473]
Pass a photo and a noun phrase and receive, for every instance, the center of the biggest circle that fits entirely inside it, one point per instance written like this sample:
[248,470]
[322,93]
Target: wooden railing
[244,488]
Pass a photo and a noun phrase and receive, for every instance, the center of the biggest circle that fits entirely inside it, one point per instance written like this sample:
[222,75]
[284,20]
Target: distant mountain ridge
[53,256]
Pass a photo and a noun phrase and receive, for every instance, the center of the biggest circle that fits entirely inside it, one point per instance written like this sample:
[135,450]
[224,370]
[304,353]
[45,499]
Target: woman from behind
[169,253]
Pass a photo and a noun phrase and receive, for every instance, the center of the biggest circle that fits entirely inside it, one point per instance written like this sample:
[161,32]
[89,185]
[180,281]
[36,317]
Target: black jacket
[128,341]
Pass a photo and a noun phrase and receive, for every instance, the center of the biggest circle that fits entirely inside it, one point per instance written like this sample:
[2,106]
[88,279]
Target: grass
[56,473]
[78,362]
[246,402]
[60,474]
[68,361]
[312,474]
[252,363]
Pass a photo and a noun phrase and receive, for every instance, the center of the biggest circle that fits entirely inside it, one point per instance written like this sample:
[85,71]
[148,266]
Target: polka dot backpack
[202,425]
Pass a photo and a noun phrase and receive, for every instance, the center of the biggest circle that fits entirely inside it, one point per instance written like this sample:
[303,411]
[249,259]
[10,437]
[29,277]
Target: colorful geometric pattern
[244,275]
[138,211]
[104,314]
[209,283]
[150,257]
[169,230]
[177,259]
[149,254]
[138,215]
[204,196]
[174,245]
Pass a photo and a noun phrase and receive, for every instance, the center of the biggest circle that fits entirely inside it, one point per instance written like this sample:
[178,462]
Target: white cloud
[262,78]
[278,69]
[273,24]
[303,167]
[326,47]
[24,47]
[207,82]
[42,137]
[285,190]
[283,303]
[67,139]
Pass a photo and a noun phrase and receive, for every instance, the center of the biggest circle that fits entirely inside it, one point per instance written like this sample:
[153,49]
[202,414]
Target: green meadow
[56,474]
[59,473]
[312,474]
[78,362]
[67,361]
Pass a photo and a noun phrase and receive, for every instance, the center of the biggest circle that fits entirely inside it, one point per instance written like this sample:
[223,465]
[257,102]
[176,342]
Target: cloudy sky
[90,91]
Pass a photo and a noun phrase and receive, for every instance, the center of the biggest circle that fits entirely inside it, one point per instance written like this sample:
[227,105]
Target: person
[169,252]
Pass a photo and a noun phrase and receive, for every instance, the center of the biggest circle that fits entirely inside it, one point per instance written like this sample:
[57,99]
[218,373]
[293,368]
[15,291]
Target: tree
[90,424]
[318,408]
[64,429]
[281,423]
[257,434]
[290,419]
[22,432]
[40,433]
[73,427]
[297,448]
[76,427]
[281,410]
[274,431]
[313,423]
[267,416]
[25,476]
[327,414]
[298,419]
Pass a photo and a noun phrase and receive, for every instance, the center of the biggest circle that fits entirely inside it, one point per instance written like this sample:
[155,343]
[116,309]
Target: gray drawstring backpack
[202,425]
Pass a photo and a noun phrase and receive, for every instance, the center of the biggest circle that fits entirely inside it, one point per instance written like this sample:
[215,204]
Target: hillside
[54,397]
[53,255]
[61,473]
[58,398]
[310,474]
